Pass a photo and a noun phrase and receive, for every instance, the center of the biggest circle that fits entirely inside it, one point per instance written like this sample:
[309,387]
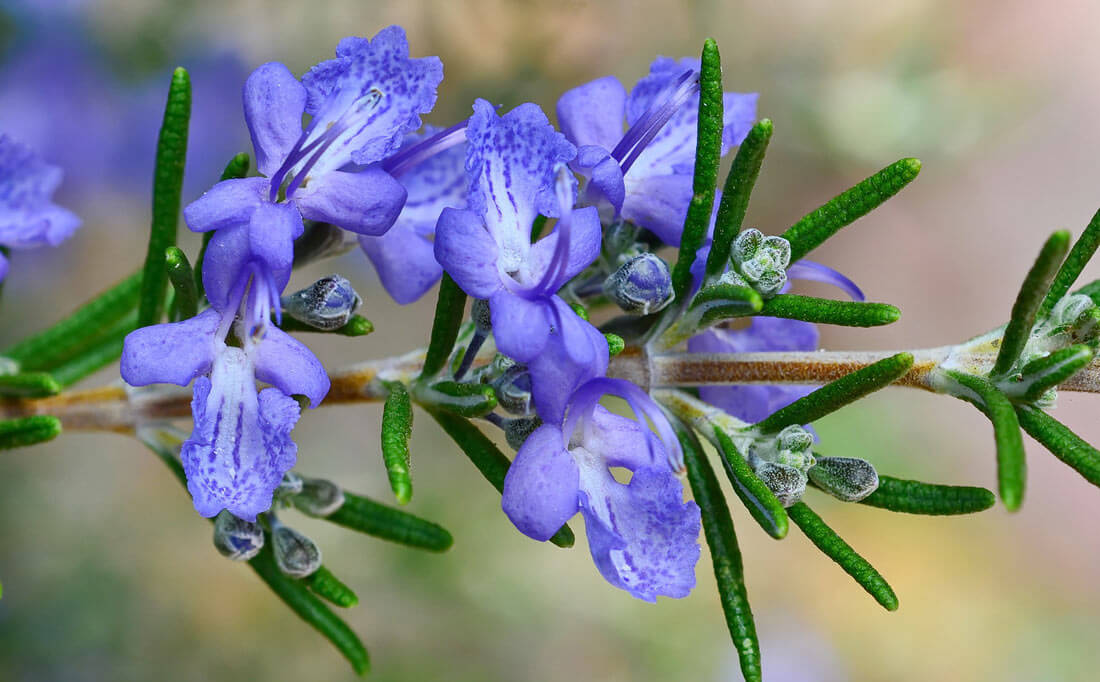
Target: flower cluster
[529,221]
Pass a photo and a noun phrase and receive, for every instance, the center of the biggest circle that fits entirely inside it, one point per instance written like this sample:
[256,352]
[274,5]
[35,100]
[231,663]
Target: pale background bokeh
[109,574]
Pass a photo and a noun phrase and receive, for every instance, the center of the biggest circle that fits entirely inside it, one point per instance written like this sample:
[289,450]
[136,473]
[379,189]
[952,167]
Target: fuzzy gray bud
[845,478]
[236,538]
[318,497]
[295,554]
[641,286]
[326,304]
[788,483]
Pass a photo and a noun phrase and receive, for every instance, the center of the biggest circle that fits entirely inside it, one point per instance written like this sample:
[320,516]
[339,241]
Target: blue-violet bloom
[642,535]
[28,216]
[645,174]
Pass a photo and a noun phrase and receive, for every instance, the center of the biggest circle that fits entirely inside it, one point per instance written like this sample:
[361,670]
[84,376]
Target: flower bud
[318,497]
[787,482]
[326,304]
[845,478]
[794,438]
[761,260]
[517,430]
[514,390]
[236,538]
[319,241]
[641,286]
[290,485]
[479,312]
[295,554]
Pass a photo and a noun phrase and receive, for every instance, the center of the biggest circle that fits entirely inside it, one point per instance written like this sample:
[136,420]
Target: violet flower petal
[274,102]
[467,252]
[287,363]
[228,203]
[541,488]
[658,204]
[367,202]
[585,237]
[170,353]
[592,114]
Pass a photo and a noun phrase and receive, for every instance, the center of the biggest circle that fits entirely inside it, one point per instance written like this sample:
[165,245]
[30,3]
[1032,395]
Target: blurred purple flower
[645,173]
[28,216]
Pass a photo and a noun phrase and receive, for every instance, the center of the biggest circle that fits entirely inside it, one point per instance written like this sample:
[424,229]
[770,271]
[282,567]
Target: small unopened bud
[1072,307]
[845,478]
[326,304]
[319,497]
[641,286]
[762,260]
[794,438]
[295,554]
[320,240]
[788,483]
[517,430]
[479,311]
[514,390]
[236,538]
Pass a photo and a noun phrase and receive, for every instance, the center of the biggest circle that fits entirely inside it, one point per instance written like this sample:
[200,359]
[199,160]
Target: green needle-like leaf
[357,325]
[828,311]
[29,385]
[311,609]
[841,552]
[465,400]
[724,301]
[1011,465]
[735,194]
[487,457]
[330,588]
[1079,256]
[835,395]
[51,347]
[1062,443]
[755,495]
[1032,292]
[844,209]
[725,554]
[708,153]
[183,283]
[236,168]
[449,310]
[914,497]
[1042,374]
[381,521]
[397,418]
[100,352]
[167,187]
[18,433]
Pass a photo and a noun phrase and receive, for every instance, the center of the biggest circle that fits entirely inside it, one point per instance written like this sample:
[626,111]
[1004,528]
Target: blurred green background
[109,574]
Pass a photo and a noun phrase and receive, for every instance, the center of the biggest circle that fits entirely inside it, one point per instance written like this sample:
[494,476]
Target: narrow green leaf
[29,385]
[18,433]
[1061,441]
[330,588]
[104,349]
[167,188]
[828,311]
[54,345]
[1011,465]
[397,418]
[1032,291]
[725,301]
[236,168]
[1079,256]
[449,310]
[1042,374]
[841,552]
[725,554]
[837,394]
[1092,290]
[357,325]
[487,457]
[312,610]
[388,523]
[708,153]
[755,495]
[186,302]
[915,497]
[847,207]
[464,399]
[735,194]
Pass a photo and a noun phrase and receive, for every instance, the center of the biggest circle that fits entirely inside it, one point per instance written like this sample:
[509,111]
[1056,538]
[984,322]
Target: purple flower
[240,447]
[516,167]
[753,403]
[28,216]
[645,173]
[405,255]
[642,535]
[362,104]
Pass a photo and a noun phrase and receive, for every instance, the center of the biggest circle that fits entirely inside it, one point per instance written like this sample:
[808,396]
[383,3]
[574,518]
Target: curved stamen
[586,397]
[660,117]
[685,84]
[417,153]
[816,272]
